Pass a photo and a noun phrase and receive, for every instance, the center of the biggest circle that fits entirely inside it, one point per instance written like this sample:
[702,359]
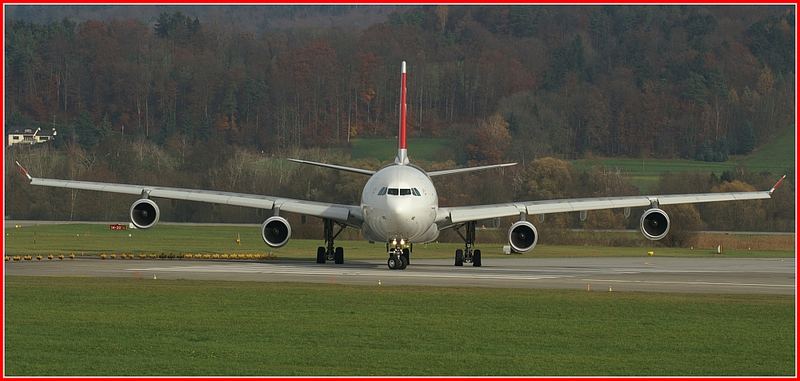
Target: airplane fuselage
[399,202]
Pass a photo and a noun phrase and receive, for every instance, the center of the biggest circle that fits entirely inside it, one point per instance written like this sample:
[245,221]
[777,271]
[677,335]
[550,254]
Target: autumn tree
[748,215]
[489,141]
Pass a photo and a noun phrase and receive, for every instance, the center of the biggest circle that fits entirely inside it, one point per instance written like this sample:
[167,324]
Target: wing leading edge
[348,214]
[454,215]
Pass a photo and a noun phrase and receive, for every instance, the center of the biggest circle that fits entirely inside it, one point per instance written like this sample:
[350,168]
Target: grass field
[425,149]
[94,239]
[98,326]
[776,157]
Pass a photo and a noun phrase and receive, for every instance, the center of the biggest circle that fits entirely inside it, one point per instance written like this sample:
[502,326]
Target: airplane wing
[347,214]
[454,215]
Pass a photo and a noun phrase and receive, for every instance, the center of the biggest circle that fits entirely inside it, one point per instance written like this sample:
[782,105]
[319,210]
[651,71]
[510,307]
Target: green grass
[102,326]
[777,157]
[423,149]
[92,239]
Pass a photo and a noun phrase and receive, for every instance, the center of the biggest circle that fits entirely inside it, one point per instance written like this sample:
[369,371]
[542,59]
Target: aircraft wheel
[320,254]
[406,257]
[476,258]
[459,257]
[403,262]
[338,256]
[394,262]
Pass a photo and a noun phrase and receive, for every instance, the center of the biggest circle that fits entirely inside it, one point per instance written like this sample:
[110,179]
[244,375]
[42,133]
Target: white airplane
[400,207]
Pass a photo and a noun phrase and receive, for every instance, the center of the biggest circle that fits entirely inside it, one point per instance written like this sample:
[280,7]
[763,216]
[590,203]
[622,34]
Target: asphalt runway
[651,274]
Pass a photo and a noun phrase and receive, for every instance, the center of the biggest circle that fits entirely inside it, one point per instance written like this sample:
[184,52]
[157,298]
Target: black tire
[320,254]
[476,258]
[459,257]
[406,257]
[338,256]
[393,262]
[403,262]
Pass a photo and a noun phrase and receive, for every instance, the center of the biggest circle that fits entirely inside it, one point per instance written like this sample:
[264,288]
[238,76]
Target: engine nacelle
[275,231]
[522,236]
[144,213]
[654,224]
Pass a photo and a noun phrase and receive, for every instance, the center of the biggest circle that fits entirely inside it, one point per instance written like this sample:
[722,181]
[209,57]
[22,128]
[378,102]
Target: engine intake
[144,213]
[522,236]
[654,224]
[275,231]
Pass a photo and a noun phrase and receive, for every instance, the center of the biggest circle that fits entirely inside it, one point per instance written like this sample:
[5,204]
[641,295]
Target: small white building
[29,136]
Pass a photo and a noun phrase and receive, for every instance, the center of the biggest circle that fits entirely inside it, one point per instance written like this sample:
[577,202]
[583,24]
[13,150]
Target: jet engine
[144,213]
[522,236]
[654,224]
[275,231]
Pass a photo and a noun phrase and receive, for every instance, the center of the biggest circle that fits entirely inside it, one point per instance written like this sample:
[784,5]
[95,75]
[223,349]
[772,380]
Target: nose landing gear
[399,257]
[469,254]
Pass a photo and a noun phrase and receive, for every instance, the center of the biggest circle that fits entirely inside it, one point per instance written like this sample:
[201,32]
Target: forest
[189,101]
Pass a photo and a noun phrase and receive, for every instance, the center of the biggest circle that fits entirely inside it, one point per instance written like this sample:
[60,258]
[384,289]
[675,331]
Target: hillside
[423,149]
[251,18]
[777,157]
[617,81]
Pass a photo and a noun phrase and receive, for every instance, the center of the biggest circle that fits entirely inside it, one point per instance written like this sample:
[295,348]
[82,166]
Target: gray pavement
[651,274]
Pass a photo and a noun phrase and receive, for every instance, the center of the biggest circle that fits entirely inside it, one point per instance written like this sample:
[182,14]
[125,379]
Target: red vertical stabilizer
[402,156]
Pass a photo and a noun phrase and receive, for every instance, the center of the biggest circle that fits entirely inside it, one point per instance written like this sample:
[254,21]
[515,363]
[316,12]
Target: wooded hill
[655,81]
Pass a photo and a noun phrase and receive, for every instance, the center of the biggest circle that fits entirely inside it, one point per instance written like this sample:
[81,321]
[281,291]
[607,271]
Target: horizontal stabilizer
[333,166]
[470,169]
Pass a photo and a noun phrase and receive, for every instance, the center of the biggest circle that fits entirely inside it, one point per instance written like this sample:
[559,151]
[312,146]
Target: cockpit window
[399,191]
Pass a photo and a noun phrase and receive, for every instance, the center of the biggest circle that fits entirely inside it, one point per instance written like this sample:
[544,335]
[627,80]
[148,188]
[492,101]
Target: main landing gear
[399,256]
[469,254]
[328,253]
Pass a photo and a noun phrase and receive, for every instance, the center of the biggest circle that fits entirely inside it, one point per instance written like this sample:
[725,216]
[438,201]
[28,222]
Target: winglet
[24,171]
[776,185]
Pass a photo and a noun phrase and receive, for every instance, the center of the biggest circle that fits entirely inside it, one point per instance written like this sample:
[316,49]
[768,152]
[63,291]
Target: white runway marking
[690,283]
[298,270]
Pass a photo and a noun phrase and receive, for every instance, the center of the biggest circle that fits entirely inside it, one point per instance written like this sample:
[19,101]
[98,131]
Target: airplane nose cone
[398,209]
[403,215]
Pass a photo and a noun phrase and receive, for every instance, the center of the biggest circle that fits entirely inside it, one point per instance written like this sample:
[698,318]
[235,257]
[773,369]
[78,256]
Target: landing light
[402,242]
[394,241]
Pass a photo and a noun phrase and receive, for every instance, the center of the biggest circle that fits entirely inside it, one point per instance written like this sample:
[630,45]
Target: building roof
[30,131]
